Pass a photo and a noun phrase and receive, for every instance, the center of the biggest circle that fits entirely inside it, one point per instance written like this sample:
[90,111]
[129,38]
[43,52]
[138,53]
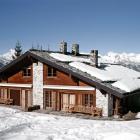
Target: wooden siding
[61,79]
[19,78]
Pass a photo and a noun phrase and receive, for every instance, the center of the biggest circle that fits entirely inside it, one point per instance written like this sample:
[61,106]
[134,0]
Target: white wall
[38,84]
[105,102]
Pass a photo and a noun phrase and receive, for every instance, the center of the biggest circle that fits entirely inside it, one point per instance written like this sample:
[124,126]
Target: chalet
[69,81]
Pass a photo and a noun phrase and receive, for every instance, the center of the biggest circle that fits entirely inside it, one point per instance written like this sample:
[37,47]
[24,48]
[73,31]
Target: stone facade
[105,102]
[38,84]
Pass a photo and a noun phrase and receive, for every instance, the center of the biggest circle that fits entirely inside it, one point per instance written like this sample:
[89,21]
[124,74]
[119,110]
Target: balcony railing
[94,111]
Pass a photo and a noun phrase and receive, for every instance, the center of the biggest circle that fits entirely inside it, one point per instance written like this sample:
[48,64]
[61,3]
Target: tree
[18,50]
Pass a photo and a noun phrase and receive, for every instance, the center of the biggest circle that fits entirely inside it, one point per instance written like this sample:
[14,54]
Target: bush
[130,116]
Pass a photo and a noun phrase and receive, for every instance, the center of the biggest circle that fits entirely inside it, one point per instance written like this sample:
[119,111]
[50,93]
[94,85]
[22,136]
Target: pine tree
[18,50]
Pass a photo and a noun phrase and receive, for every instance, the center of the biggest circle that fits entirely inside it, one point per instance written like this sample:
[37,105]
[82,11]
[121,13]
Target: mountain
[131,60]
[6,58]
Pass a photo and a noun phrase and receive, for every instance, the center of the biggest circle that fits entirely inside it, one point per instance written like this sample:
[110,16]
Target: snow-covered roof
[122,76]
[64,87]
[68,58]
[128,84]
[15,85]
[98,73]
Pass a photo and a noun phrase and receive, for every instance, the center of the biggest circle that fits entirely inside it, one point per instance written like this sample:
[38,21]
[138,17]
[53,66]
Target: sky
[106,25]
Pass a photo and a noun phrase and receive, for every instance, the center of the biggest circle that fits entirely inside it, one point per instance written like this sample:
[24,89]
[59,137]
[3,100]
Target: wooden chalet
[36,78]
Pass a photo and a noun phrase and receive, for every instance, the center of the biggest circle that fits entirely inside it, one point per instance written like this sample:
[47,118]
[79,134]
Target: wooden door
[65,101]
[71,100]
[47,99]
[15,95]
[68,100]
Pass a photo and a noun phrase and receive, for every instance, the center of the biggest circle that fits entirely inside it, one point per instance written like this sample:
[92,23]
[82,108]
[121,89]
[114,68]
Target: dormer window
[27,72]
[52,72]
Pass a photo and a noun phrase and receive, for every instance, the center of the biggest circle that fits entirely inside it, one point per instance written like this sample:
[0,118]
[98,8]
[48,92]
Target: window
[1,93]
[51,72]
[48,99]
[88,99]
[27,72]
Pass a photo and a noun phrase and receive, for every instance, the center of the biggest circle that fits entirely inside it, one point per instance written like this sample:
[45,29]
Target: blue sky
[106,25]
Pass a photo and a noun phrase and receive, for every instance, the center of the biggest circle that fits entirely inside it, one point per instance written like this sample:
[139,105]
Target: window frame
[51,72]
[88,100]
[27,72]
[48,99]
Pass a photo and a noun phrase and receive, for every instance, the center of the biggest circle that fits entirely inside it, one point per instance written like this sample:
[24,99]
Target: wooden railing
[94,111]
[6,101]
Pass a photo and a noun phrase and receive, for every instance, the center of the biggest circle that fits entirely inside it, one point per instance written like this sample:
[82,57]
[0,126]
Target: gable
[20,76]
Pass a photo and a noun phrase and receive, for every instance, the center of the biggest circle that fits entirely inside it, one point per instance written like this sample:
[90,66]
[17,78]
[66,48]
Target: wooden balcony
[94,111]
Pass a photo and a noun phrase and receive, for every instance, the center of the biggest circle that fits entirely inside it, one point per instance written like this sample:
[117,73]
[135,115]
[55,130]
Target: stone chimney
[75,49]
[63,47]
[94,58]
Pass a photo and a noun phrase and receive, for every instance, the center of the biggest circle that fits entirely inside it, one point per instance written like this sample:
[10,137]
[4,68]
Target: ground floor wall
[61,100]
[21,96]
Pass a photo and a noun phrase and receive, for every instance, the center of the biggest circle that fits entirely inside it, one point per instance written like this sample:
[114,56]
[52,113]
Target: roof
[119,76]
[104,81]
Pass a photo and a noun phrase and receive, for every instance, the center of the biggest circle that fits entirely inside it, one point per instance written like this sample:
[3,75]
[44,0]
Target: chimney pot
[63,47]
[75,49]
[94,57]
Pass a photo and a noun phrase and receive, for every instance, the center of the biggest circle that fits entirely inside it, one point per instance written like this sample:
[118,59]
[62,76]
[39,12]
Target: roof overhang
[16,85]
[64,87]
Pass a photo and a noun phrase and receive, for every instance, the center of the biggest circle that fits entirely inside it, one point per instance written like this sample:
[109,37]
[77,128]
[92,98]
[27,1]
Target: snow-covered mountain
[131,60]
[6,58]
[121,57]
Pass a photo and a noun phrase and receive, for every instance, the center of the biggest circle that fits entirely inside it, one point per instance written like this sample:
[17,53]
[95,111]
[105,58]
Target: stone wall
[38,84]
[105,102]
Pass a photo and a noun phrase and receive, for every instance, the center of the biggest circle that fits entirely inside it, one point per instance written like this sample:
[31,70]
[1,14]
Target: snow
[121,72]
[68,58]
[98,73]
[68,87]
[124,136]
[128,84]
[15,124]
[8,55]
[126,79]
[138,115]
[112,57]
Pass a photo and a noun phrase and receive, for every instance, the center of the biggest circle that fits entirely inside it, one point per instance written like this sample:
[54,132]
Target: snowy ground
[17,125]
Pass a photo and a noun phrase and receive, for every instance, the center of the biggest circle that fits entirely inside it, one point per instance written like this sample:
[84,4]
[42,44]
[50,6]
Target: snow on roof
[64,87]
[127,84]
[68,58]
[98,73]
[126,79]
[120,72]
